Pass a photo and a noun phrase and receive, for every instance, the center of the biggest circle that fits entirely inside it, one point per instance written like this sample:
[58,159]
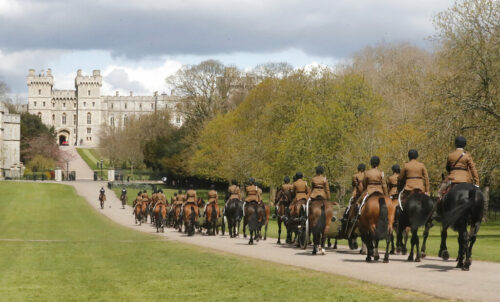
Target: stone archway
[63,137]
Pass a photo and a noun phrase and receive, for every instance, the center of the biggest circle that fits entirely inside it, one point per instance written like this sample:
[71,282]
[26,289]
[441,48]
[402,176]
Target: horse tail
[460,211]
[214,213]
[192,216]
[383,220]
[253,223]
[321,223]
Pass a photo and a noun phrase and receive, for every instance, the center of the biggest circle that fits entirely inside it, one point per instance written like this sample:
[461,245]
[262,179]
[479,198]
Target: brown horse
[265,223]
[144,211]
[138,212]
[102,199]
[190,214]
[254,217]
[123,199]
[212,214]
[176,210]
[160,211]
[295,217]
[375,223]
[283,200]
[319,215]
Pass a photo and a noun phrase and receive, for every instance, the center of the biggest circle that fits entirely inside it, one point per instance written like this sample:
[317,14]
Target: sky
[137,44]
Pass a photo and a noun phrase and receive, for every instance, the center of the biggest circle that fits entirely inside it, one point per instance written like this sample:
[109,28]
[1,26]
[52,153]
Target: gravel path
[432,276]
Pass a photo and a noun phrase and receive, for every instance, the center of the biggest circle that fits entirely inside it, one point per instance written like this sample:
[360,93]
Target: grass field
[486,247]
[55,247]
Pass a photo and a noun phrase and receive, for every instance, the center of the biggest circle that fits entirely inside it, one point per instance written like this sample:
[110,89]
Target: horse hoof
[279,242]
[391,252]
[445,255]
[410,258]
[460,265]
[314,252]
[423,255]
[368,259]
[376,257]
[417,259]
[386,260]
[398,250]
[465,268]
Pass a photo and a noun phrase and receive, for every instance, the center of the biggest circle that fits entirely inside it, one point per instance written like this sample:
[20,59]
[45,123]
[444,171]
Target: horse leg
[386,255]
[404,250]
[376,256]
[410,257]
[391,242]
[443,250]
[265,231]
[417,242]
[472,239]
[279,230]
[368,243]
[251,236]
[245,229]
[323,240]
[399,240]
[428,225]
[462,244]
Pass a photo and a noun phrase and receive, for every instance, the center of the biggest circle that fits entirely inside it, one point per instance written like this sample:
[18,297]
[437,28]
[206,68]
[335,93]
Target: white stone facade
[10,143]
[78,115]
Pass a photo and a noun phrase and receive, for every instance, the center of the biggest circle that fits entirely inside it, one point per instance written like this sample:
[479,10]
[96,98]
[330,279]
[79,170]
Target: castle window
[43,104]
[89,118]
[64,105]
[151,105]
[88,92]
[53,119]
[39,91]
[74,105]
[125,105]
[53,104]
[34,104]
[84,104]
[89,130]
[178,120]
[74,119]
[93,104]
[140,105]
[112,106]
[39,115]
[64,118]
[112,120]
[124,120]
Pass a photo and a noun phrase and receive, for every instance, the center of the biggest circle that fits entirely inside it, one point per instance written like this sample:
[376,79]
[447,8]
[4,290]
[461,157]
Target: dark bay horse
[160,211]
[102,199]
[463,205]
[123,199]
[283,200]
[233,212]
[417,211]
[138,213]
[375,223]
[254,217]
[297,218]
[190,214]
[212,214]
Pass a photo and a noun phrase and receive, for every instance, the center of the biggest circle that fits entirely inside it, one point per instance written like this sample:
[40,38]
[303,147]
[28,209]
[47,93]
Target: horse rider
[392,182]
[145,195]
[213,197]
[319,184]
[190,198]
[300,188]
[373,181]
[287,189]
[413,176]
[460,166]
[234,191]
[137,201]
[252,193]
[357,189]
[101,191]
[173,198]
[124,191]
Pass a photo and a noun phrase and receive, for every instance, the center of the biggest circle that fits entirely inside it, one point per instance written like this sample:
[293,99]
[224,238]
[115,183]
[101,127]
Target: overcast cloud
[158,31]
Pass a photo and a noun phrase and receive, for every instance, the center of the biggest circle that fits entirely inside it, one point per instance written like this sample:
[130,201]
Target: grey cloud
[118,79]
[320,28]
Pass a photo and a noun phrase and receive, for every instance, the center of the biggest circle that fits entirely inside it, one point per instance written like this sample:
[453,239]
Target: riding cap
[180,191]
[299,175]
[361,167]
[175,194]
[251,181]
[286,179]
[320,170]
[413,154]
[374,161]
[191,186]
[460,142]
[234,182]
[145,191]
[396,168]
[212,186]
[139,193]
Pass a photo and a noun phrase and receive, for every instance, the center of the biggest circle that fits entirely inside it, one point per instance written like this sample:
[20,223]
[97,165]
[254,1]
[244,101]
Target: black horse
[463,205]
[417,211]
[233,212]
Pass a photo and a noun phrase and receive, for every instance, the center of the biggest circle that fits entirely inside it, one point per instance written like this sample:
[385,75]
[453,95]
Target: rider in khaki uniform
[392,182]
[252,192]
[180,198]
[173,199]
[212,195]
[460,166]
[357,182]
[234,191]
[374,180]
[319,184]
[414,174]
[300,188]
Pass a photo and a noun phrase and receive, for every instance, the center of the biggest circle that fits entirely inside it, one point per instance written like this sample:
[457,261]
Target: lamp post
[101,169]
[67,170]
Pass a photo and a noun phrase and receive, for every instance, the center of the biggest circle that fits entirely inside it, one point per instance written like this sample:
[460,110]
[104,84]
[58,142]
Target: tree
[37,139]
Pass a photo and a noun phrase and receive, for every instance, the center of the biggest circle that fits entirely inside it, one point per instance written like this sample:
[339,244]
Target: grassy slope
[486,247]
[96,259]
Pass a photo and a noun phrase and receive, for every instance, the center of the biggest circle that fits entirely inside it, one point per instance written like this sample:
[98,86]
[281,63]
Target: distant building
[10,141]
[78,115]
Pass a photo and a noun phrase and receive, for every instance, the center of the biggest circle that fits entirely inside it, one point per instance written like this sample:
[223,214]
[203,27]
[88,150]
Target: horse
[283,200]
[102,199]
[265,221]
[254,216]
[177,216]
[375,223]
[160,217]
[463,205]
[233,212]
[144,211]
[296,218]
[417,211]
[212,213]
[201,205]
[123,199]
[319,214]
[190,214]
[138,213]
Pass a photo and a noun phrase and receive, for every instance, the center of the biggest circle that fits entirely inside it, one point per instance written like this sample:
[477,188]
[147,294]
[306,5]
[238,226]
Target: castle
[10,140]
[78,115]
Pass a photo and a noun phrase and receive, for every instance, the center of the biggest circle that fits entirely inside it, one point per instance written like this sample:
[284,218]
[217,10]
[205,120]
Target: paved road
[76,163]
[432,276]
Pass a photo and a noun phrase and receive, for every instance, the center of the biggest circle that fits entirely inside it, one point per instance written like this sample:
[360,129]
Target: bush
[41,163]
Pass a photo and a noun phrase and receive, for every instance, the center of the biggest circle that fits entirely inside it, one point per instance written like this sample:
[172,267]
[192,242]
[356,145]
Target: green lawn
[486,247]
[60,249]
